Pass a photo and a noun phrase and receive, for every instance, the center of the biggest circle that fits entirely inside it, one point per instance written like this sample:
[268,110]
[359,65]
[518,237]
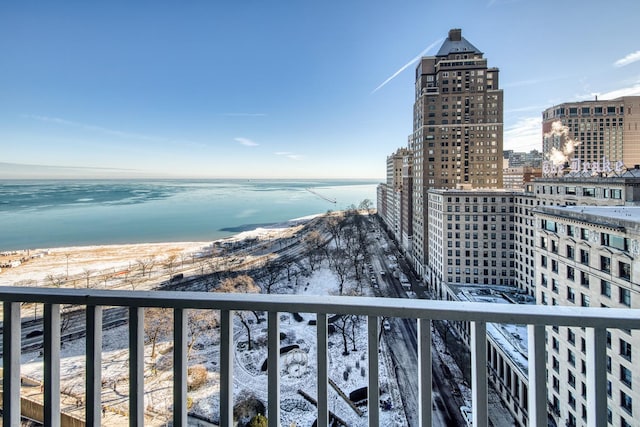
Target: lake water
[46,214]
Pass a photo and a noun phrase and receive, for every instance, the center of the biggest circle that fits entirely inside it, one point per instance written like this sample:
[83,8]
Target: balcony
[595,320]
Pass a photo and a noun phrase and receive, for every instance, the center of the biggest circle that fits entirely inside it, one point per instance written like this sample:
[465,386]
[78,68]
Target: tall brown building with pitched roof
[457,129]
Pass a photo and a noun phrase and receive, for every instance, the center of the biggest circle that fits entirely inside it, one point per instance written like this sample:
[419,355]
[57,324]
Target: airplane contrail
[405,66]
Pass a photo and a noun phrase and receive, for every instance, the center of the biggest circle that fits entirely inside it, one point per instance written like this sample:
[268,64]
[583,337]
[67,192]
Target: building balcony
[594,320]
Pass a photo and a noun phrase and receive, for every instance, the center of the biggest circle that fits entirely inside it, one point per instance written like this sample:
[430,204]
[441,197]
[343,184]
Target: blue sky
[277,88]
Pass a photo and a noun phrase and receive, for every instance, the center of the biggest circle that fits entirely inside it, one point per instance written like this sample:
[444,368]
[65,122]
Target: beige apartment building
[471,234]
[594,130]
[457,129]
[589,256]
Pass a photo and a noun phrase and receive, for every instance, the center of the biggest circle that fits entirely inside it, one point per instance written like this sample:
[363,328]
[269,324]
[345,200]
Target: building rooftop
[455,43]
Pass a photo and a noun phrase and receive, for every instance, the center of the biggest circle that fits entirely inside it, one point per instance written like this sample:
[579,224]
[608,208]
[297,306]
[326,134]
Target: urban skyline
[276,91]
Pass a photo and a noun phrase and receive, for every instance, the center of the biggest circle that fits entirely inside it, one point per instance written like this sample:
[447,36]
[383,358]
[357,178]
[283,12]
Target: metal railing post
[52,365]
[323,370]
[374,387]
[11,344]
[226,367]
[425,393]
[136,366]
[596,376]
[94,365]
[537,394]
[273,370]
[479,373]
[179,367]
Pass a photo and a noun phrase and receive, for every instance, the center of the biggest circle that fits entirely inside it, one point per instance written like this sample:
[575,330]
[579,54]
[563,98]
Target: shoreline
[43,264]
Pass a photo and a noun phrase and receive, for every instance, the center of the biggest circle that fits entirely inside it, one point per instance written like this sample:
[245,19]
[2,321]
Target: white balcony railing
[595,320]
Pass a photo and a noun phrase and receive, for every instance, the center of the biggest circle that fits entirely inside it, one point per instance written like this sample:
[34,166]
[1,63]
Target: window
[625,297]
[624,270]
[613,241]
[543,261]
[571,273]
[549,225]
[625,350]
[605,288]
[570,252]
[605,264]
[584,256]
[554,265]
[572,403]
[584,300]
[571,358]
[625,376]
[571,379]
[571,232]
[589,192]
[554,285]
[584,279]
[554,246]
[543,242]
[571,336]
[571,295]
[584,234]
[626,402]
[556,384]
[555,364]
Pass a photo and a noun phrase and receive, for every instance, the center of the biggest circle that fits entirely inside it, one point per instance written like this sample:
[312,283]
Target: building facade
[593,130]
[471,238]
[590,256]
[457,129]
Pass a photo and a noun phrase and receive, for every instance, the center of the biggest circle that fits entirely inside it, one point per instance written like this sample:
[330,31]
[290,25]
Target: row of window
[624,294]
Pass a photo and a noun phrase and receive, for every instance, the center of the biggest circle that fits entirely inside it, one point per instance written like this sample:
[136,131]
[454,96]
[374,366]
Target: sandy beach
[76,266]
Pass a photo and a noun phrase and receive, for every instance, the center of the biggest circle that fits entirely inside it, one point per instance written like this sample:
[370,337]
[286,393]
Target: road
[402,345]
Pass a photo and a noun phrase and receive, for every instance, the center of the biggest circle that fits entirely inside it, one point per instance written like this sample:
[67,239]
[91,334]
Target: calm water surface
[44,214]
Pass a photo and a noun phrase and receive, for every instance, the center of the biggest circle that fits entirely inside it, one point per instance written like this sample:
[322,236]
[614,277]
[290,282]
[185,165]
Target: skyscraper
[457,129]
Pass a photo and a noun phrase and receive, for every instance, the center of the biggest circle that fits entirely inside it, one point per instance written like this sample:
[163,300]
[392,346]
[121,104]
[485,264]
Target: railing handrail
[525,314]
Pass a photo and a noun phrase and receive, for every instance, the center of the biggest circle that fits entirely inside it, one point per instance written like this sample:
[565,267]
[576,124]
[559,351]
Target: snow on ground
[298,368]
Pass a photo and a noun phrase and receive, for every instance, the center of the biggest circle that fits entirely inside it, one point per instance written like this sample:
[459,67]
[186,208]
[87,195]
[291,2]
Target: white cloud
[289,155]
[85,126]
[405,66]
[524,135]
[246,142]
[633,90]
[108,131]
[629,59]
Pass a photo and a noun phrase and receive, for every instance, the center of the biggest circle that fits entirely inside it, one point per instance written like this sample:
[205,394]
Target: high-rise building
[592,131]
[457,129]
[394,192]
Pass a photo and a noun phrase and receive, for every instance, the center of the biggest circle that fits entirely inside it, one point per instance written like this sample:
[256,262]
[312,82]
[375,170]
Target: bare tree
[87,276]
[241,284]
[334,225]
[55,280]
[199,322]
[273,271]
[313,244]
[146,265]
[170,264]
[340,265]
[158,324]
[366,205]
[343,324]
